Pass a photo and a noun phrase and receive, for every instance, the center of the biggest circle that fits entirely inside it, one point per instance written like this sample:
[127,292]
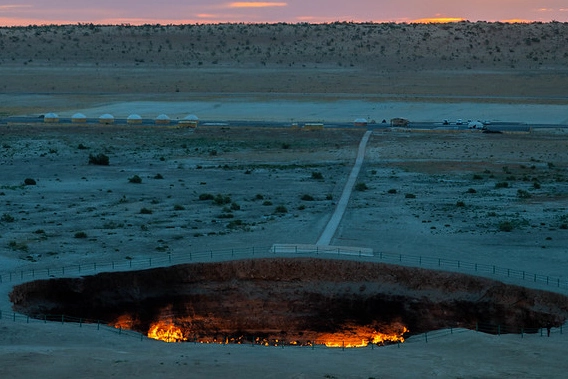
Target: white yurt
[78,118]
[51,117]
[162,119]
[106,119]
[134,119]
[189,121]
[475,125]
[360,122]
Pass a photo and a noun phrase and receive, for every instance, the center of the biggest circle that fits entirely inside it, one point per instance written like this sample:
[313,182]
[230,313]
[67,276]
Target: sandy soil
[429,194]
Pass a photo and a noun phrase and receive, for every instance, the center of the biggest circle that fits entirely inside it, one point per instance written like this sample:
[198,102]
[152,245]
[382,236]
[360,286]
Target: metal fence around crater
[516,276]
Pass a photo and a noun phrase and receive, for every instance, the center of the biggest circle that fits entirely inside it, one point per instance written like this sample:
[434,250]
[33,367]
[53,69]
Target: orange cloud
[438,20]
[255,4]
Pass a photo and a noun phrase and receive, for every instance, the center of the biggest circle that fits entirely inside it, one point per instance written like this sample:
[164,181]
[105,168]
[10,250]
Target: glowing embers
[166,331]
[361,336]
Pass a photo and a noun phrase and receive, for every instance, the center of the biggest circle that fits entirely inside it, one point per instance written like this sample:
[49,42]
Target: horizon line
[445,20]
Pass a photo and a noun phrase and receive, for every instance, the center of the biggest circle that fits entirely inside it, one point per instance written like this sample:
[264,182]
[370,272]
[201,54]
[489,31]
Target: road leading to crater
[331,227]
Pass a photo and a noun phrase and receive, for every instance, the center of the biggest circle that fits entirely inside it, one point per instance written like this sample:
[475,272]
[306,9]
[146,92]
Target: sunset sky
[26,12]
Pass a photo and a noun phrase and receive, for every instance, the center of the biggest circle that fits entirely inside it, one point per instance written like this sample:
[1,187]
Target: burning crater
[291,301]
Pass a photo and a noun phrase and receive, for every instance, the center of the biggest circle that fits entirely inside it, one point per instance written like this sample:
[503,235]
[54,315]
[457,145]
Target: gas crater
[293,301]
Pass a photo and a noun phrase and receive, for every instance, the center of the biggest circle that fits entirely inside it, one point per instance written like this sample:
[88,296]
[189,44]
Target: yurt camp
[189,121]
[50,117]
[162,119]
[106,119]
[134,119]
[78,118]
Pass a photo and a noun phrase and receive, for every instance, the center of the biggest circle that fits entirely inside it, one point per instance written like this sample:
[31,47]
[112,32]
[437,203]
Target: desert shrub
[206,196]
[226,215]
[179,207]
[6,217]
[471,190]
[82,147]
[281,209]
[506,226]
[99,159]
[220,199]
[477,177]
[80,235]
[502,185]
[235,206]
[410,196]
[460,204]
[317,175]
[285,145]
[135,179]
[307,197]
[158,176]
[267,202]
[145,211]
[523,194]
[259,196]
[16,246]
[392,190]
[235,224]
[329,196]
[29,182]
[361,186]
[301,207]
[536,185]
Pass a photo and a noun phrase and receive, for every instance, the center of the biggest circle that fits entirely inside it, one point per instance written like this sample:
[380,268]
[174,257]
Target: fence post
[62,319]
[0,314]
[48,272]
[14,317]
[63,270]
[439,262]
[33,275]
[522,333]
[498,330]
[426,337]
[150,261]
[493,269]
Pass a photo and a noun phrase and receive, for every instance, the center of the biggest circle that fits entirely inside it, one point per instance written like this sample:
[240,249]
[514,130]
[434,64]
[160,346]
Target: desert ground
[496,199]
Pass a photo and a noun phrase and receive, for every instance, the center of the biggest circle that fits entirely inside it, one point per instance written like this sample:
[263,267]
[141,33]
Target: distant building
[51,117]
[78,118]
[106,119]
[134,119]
[360,122]
[190,121]
[162,119]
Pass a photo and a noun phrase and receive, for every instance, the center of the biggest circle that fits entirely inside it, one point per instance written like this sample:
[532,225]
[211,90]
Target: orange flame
[166,331]
[362,337]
